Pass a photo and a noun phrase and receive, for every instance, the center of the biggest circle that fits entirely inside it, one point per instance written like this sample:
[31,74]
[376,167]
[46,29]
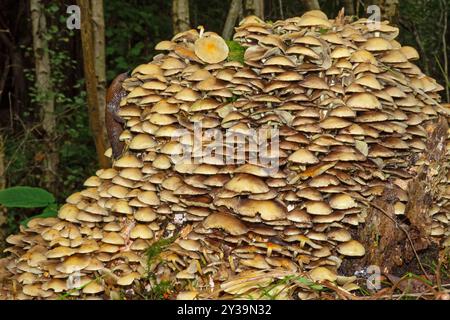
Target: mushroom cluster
[267,162]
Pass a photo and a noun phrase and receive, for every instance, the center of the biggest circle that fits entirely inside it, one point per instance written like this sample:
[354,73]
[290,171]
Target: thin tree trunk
[17,72]
[87,41]
[233,13]
[44,88]
[180,16]
[349,7]
[280,4]
[99,48]
[241,14]
[311,4]
[254,7]
[2,164]
[4,74]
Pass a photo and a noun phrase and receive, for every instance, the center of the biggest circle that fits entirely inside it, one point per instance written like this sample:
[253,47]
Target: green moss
[155,249]
[68,293]
[236,51]
[160,291]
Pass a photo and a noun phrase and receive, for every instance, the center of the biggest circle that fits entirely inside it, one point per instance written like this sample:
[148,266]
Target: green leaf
[49,212]
[25,197]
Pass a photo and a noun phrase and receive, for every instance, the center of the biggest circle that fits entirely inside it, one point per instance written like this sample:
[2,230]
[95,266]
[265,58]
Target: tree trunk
[17,73]
[2,164]
[44,89]
[180,16]
[233,13]
[4,74]
[389,9]
[254,7]
[87,41]
[99,49]
[311,4]
[349,7]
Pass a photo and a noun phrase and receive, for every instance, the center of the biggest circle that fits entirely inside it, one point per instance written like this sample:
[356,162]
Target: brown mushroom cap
[351,248]
[303,156]
[226,222]
[342,201]
[242,183]
[268,209]
[319,274]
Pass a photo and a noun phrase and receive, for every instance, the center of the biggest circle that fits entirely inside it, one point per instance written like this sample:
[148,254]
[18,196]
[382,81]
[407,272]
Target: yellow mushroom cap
[211,48]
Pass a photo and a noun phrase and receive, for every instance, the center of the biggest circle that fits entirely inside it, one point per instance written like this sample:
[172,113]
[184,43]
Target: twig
[406,278]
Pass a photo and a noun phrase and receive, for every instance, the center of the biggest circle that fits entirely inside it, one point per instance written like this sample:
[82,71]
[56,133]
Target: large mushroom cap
[211,48]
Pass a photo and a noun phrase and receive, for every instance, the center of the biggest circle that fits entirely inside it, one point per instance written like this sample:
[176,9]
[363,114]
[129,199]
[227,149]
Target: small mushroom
[351,248]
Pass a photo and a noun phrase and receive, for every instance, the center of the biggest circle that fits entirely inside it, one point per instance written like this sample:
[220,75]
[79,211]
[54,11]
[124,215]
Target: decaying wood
[91,81]
[389,240]
[45,93]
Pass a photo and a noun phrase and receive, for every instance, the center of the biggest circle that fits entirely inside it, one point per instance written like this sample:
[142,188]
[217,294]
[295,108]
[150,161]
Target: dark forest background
[132,29]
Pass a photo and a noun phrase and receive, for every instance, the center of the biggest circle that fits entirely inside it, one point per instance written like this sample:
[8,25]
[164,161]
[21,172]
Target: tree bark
[44,89]
[99,49]
[311,4]
[233,13]
[180,16]
[389,9]
[17,71]
[254,7]
[87,41]
[4,74]
[349,7]
[2,164]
